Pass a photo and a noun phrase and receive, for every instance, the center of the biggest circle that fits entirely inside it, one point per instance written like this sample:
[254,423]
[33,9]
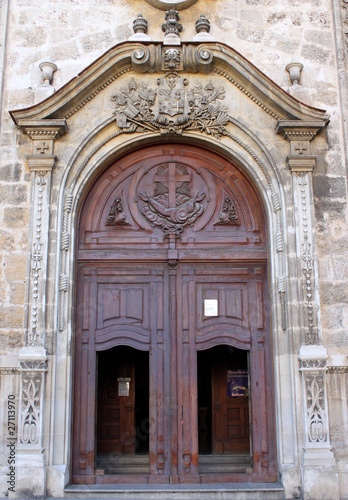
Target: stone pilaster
[32,357]
[319,470]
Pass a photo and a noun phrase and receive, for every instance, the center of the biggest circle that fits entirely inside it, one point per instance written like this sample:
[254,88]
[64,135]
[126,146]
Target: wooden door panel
[116,420]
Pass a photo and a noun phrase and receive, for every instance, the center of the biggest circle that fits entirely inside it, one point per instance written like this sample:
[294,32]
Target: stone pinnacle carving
[140,24]
[202,24]
[172,27]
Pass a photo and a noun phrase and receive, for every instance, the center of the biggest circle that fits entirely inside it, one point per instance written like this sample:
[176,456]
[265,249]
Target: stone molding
[149,58]
[8,370]
[337,370]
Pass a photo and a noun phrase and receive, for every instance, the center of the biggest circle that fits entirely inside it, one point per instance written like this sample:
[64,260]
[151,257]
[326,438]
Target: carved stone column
[319,470]
[32,357]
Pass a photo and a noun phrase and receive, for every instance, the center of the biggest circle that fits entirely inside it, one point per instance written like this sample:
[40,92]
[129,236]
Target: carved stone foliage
[307,259]
[172,59]
[174,107]
[172,206]
[36,258]
[315,392]
[171,26]
[312,363]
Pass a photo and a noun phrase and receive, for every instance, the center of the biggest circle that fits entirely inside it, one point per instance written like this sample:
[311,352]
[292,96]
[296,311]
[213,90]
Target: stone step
[224,463]
[139,464]
[246,491]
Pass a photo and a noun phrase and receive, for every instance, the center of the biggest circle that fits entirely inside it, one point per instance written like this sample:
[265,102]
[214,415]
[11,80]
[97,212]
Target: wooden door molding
[160,231]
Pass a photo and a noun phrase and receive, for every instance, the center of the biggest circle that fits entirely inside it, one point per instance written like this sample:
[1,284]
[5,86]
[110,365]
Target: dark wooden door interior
[123,402]
[172,300]
[223,401]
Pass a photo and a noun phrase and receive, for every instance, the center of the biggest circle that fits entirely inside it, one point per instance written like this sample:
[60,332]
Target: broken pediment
[172,105]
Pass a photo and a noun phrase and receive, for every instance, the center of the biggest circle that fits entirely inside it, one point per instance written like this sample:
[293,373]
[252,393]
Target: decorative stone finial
[45,89]
[140,29]
[171,28]
[140,24]
[294,70]
[202,24]
[48,68]
[203,28]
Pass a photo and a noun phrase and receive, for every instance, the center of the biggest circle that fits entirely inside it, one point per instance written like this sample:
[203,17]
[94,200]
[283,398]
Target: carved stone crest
[174,108]
[173,104]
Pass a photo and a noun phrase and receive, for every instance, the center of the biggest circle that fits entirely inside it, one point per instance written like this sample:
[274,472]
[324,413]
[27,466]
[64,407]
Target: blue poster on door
[237,383]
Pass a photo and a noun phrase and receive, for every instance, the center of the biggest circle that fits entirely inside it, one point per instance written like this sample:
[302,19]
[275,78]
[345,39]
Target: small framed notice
[210,307]
[123,386]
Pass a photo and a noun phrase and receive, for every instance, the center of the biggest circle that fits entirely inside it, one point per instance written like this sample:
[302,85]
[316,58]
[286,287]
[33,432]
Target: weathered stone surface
[10,173]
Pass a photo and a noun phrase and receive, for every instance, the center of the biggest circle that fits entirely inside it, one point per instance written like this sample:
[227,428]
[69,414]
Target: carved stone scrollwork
[312,360]
[117,215]
[337,370]
[312,363]
[315,408]
[30,419]
[141,59]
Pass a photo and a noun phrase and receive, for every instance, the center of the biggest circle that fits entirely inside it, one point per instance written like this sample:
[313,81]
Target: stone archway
[245,133]
[165,233]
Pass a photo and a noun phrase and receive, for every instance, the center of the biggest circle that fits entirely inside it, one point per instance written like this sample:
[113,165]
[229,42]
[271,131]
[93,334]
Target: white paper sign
[210,307]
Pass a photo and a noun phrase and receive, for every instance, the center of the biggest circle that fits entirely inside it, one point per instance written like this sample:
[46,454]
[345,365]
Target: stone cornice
[41,163]
[305,130]
[337,370]
[301,163]
[42,129]
[148,57]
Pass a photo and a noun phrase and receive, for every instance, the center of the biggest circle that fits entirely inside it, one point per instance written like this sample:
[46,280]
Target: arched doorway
[173,333]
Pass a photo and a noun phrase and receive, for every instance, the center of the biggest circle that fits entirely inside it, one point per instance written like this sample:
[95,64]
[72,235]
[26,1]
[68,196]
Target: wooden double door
[173,368]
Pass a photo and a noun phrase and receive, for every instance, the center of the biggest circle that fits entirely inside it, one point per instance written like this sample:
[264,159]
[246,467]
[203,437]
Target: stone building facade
[226,88]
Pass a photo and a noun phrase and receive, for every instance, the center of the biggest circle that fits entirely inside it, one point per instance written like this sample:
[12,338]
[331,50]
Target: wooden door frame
[176,417]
